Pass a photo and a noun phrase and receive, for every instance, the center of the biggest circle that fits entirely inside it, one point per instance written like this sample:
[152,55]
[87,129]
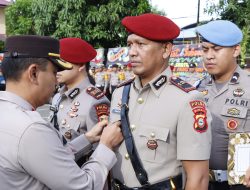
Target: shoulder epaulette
[95,92]
[182,84]
[125,82]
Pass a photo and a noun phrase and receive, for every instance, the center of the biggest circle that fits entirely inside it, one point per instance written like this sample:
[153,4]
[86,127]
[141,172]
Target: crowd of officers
[108,78]
[158,132]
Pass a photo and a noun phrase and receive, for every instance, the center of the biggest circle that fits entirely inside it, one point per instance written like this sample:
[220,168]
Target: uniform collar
[157,84]
[78,88]
[235,79]
[13,98]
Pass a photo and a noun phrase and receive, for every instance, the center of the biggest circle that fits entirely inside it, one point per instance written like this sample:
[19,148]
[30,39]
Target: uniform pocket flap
[154,133]
[234,111]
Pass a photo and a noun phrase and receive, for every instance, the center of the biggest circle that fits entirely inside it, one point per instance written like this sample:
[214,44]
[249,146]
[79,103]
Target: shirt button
[152,135]
[61,106]
[126,156]
[64,122]
[132,127]
[140,100]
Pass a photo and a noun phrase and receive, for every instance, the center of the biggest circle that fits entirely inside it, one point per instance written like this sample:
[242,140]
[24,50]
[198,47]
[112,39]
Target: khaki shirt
[230,112]
[101,80]
[78,111]
[114,78]
[32,155]
[160,111]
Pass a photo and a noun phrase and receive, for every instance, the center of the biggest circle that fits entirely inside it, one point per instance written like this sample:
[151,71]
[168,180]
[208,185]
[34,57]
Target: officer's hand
[247,178]
[111,135]
[95,133]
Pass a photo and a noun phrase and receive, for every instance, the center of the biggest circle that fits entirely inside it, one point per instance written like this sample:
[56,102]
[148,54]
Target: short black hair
[12,68]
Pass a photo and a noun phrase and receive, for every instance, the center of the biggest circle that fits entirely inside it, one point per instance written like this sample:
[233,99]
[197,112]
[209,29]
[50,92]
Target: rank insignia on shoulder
[102,110]
[200,115]
[160,81]
[74,93]
[181,84]
[125,83]
[95,92]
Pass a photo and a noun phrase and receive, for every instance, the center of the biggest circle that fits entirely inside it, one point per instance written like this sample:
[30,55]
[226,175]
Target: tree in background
[97,21]
[19,18]
[237,11]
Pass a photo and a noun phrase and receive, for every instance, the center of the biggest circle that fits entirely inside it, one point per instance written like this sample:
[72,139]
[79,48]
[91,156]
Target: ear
[167,47]
[82,68]
[33,72]
[236,51]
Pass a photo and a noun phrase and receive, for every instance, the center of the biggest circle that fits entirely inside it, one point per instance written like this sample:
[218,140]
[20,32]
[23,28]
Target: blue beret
[221,32]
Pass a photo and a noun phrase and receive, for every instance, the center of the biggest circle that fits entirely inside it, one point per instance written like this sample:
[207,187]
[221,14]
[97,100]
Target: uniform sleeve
[78,147]
[194,130]
[43,156]
[115,108]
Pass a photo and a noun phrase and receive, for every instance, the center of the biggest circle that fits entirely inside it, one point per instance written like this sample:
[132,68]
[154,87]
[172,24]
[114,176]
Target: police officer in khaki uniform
[80,105]
[128,72]
[167,123]
[101,78]
[32,154]
[114,80]
[226,92]
[193,78]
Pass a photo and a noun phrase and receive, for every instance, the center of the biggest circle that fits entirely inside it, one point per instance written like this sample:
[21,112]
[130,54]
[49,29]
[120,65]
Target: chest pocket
[152,143]
[235,117]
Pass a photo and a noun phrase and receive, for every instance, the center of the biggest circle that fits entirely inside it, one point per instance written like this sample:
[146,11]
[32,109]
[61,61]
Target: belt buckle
[211,176]
[173,187]
[217,175]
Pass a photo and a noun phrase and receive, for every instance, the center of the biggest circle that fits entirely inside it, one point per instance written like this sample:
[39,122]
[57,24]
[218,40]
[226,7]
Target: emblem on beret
[200,116]
[238,92]
[152,144]
[232,124]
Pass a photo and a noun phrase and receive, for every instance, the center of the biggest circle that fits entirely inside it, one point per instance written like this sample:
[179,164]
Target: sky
[182,12]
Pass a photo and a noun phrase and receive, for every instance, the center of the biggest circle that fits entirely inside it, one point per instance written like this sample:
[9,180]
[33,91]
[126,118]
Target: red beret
[152,26]
[76,50]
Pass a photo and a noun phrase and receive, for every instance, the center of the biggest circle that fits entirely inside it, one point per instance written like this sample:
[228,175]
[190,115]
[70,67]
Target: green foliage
[19,18]
[97,21]
[237,11]
[1,46]
[246,38]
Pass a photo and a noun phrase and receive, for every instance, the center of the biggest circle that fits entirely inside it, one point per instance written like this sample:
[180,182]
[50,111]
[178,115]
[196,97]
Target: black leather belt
[170,184]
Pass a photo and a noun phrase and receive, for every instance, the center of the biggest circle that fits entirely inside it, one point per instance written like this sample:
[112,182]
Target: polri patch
[160,81]
[200,116]
[102,110]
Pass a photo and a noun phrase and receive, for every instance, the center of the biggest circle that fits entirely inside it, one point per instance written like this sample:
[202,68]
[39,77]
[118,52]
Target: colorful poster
[1,58]
[183,57]
[99,59]
[117,56]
